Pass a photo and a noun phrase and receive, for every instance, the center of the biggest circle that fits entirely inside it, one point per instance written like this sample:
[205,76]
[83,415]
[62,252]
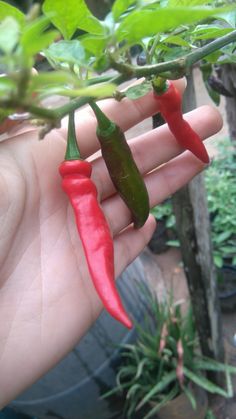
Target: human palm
[47,299]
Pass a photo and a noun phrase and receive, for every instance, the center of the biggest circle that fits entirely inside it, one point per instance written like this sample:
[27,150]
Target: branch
[213,46]
[171,69]
[178,67]
[55,115]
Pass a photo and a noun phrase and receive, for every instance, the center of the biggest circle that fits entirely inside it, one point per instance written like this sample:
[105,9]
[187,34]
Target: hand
[47,300]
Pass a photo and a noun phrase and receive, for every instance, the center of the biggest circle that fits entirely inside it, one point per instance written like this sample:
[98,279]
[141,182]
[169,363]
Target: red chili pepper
[92,226]
[170,103]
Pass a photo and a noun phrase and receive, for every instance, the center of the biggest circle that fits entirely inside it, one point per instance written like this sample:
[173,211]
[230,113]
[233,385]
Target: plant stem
[72,149]
[207,49]
[179,65]
[171,69]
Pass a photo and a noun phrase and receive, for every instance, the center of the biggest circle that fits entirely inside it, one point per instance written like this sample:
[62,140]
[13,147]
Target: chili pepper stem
[72,149]
[160,85]
[105,125]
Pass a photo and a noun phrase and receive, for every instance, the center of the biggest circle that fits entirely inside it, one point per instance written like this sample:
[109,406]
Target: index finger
[126,114]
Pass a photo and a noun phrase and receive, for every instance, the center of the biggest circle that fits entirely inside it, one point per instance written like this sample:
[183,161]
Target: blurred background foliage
[99,8]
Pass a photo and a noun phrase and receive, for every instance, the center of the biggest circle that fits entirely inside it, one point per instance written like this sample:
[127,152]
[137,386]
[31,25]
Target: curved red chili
[92,227]
[170,104]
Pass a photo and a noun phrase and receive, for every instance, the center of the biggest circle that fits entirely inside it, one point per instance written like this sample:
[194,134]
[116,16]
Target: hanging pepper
[122,167]
[92,226]
[170,104]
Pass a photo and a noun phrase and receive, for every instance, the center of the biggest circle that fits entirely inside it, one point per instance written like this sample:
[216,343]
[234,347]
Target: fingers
[126,114]
[166,179]
[158,146]
[129,243]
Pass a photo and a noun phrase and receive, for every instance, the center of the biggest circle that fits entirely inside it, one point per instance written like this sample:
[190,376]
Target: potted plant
[165,233]
[163,371]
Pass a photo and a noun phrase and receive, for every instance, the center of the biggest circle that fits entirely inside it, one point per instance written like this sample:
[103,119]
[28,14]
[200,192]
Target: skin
[47,300]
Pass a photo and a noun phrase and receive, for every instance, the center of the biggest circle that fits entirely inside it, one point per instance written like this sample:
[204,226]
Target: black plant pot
[227,287]
[158,243]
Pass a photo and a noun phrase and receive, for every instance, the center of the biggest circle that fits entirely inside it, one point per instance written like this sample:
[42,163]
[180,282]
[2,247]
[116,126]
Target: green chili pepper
[122,167]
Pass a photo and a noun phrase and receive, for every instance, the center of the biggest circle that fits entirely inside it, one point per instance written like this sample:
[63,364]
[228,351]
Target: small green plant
[210,415]
[164,361]
[164,212]
[220,181]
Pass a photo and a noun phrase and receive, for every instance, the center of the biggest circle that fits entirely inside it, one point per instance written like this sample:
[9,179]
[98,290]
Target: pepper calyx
[160,85]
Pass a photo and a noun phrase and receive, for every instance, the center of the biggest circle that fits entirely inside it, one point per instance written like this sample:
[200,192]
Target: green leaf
[96,90]
[220,238]
[4,114]
[120,6]
[167,398]
[158,388]
[7,10]
[6,86]
[190,396]
[71,52]
[45,80]
[188,2]
[139,90]
[9,34]
[209,364]
[210,415]
[94,44]
[208,32]
[230,250]
[204,383]
[230,18]
[173,243]
[36,31]
[213,57]
[230,390]
[148,21]
[218,260]
[133,390]
[234,260]
[215,96]
[70,15]
[140,367]
[206,73]
[176,40]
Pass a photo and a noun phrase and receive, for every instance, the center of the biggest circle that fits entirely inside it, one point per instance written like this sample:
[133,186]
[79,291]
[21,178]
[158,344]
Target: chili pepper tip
[124,319]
